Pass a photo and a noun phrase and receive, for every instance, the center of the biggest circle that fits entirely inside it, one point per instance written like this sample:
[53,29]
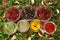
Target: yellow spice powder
[35,25]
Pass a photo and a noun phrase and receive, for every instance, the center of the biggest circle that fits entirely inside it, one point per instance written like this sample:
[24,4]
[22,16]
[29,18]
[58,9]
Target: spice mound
[23,25]
[50,27]
[35,25]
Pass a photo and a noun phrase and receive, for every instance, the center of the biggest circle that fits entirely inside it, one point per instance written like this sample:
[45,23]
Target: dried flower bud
[57,11]
[32,1]
[16,2]
[42,2]
[14,37]
[29,38]
[50,3]
[40,35]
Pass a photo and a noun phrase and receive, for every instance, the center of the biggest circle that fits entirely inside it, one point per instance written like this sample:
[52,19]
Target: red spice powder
[44,13]
[50,27]
[12,14]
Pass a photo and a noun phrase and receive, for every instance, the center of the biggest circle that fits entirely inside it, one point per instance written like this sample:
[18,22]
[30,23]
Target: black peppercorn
[28,12]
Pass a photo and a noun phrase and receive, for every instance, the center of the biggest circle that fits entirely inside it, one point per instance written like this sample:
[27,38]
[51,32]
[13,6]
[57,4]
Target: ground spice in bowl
[10,28]
[23,25]
[29,12]
[49,27]
[35,25]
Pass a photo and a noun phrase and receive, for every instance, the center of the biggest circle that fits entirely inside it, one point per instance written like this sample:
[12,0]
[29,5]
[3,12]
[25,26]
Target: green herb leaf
[2,20]
[0,2]
[58,6]
[1,11]
[2,36]
[11,2]
[56,36]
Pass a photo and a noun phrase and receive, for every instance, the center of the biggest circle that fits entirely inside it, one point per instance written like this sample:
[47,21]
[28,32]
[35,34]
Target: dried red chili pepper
[12,14]
[43,13]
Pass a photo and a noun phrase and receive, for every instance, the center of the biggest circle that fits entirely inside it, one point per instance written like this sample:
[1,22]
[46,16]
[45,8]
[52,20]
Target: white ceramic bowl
[48,29]
[23,25]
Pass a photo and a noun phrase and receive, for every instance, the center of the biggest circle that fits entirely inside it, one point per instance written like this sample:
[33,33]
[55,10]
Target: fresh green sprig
[54,17]
[2,20]
[1,11]
[11,3]
[0,2]
[56,36]
[2,36]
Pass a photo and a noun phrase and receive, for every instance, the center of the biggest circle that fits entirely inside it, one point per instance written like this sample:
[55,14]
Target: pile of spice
[35,25]
[12,14]
[28,12]
[23,25]
[50,27]
[43,13]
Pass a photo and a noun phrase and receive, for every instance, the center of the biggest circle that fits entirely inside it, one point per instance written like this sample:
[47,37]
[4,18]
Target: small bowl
[6,28]
[54,27]
[43,13]
[23,26]
[35,25]
[8,10]
[29,12]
